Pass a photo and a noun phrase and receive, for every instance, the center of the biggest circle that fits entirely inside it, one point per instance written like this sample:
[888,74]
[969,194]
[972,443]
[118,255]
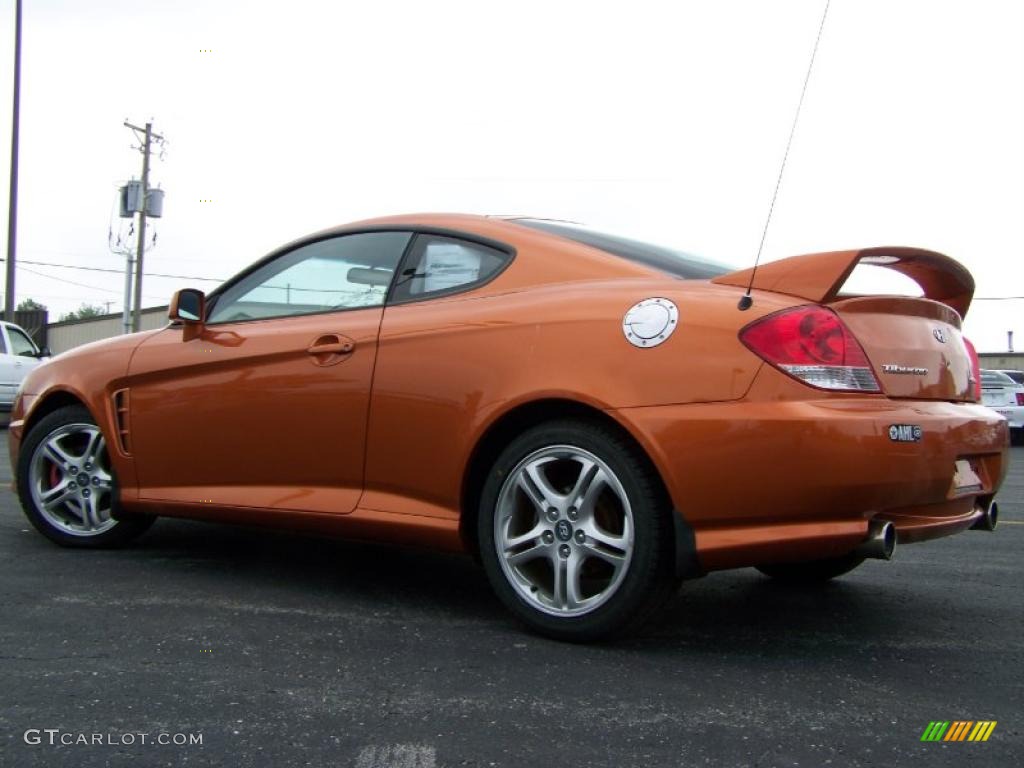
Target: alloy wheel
[564,530]
[71,482]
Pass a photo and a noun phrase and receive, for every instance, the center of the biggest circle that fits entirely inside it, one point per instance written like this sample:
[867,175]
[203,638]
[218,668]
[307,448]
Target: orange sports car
[595,418]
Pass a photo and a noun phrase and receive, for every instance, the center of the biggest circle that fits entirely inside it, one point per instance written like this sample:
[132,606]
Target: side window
[20,343]
[345,272]
[439,265]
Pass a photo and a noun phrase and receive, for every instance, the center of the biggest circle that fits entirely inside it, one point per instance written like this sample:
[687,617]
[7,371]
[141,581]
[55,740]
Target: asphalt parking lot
[280,650]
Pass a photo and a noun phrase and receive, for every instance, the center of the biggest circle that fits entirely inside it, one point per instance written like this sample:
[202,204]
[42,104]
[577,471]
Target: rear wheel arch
[526,416]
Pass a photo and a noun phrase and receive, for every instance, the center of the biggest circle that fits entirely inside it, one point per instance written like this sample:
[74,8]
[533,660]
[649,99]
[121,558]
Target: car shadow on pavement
[737,612]
[296,565]
[744,613]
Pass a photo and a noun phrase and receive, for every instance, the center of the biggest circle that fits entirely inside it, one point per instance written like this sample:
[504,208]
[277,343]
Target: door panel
[247,415]
[266,406]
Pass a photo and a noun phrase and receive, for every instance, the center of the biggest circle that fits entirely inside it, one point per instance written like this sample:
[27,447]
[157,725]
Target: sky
[665,121]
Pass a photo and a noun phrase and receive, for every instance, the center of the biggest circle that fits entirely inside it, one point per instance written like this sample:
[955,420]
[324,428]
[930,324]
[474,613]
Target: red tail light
[812,345]
[1020,398]
[976,371]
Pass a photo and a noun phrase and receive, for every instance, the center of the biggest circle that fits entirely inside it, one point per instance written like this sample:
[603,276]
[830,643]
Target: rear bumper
[1014,414]
[762,482]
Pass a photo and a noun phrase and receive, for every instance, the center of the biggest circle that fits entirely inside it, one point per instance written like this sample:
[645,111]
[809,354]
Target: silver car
[1006,397]
[18,355]
[1017,376]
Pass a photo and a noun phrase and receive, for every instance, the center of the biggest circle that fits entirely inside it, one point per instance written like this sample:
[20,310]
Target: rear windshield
[1017,376]
[996,379]
[677,263]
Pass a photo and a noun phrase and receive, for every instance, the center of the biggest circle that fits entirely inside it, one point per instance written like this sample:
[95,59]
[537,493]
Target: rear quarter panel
[448,369]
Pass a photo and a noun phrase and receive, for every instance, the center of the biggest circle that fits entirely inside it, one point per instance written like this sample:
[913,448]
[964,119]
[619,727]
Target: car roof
[997,377]
[539,257]
[616,252]
[1013,374]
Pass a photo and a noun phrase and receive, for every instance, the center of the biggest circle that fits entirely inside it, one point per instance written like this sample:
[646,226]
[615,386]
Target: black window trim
[414,231]
[427,232]
[663,259]
[284,250]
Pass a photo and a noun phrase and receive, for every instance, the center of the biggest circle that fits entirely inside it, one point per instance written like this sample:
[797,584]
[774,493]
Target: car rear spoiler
[819,277]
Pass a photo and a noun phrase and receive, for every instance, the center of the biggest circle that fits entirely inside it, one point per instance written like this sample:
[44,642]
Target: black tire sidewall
[649,572]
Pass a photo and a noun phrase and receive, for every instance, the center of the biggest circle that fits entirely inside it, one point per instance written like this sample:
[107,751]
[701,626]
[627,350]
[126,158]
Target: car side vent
[122,419]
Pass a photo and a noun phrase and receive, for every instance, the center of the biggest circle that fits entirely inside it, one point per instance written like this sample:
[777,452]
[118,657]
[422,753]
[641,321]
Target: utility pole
[148,137]
[126,314]
[137,311]
[12,211]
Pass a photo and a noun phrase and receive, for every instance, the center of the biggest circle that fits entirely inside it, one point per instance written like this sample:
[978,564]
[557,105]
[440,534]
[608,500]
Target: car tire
[575,532]
[812,571]
[66,485]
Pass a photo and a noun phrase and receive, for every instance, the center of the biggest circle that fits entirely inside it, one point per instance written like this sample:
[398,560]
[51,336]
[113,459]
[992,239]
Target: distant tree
[30,305]
[84,312]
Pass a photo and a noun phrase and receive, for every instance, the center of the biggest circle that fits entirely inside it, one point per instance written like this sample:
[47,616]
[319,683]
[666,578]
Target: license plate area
[965,478]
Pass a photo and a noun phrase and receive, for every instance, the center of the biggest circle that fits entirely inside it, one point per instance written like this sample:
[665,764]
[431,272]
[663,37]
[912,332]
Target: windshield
[677,263]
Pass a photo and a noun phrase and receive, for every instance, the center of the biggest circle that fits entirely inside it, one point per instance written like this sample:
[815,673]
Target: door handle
[331,344]
[332,348]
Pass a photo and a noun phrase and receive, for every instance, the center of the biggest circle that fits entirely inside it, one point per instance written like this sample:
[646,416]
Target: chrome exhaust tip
[988,520]
[880,543]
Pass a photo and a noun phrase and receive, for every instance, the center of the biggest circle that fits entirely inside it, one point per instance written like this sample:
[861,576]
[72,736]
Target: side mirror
[44,352]
[188,305]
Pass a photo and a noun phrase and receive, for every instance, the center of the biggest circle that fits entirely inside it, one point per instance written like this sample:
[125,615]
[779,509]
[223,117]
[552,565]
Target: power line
[62,280]
[117,271]
[73,282]
[119,256]
[58,296]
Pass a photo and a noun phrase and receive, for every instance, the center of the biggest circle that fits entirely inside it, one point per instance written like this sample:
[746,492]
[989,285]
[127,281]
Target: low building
[1002,361]
[62,336]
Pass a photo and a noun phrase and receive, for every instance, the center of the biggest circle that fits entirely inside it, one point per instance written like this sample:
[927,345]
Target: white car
[1006,397]
[1017,376]
[18,355]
